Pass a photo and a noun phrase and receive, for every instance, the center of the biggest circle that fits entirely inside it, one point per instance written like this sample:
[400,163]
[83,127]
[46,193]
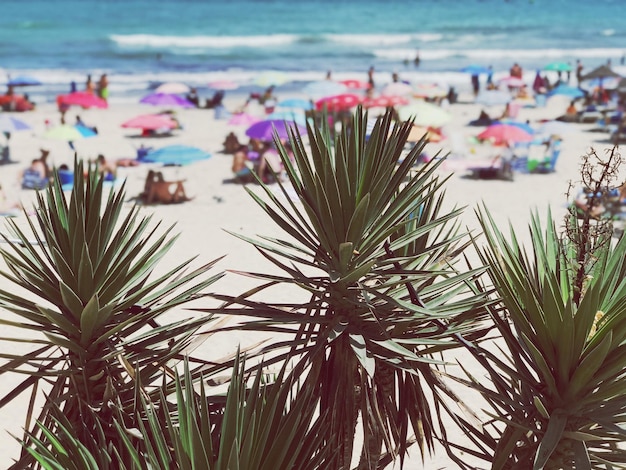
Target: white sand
[218,207]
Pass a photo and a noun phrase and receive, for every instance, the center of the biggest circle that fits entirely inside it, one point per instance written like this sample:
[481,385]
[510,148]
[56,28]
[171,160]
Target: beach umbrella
[324,88]
[264,130]
[425,114]
[429,90]
[12,124]
[504,133]
[417,132]
[608,83]
[66,133]
[555,128]
[604,71]
[23,80]
[86,131]
[354,84]
[223,85]
[566,90]
[338,102]
[493,97]
[176,155]
[82,98]
[397,89]
[385,101]
[297,117]
[297,103]
[512,82]
[173,87]
[558,67]
[245,119]
[522,125]
[271,78]
[166,99]
[475,69]
[151,122]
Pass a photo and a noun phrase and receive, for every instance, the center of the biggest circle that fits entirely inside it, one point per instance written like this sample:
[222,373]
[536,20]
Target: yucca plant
[265,424]
[557,393]
[90,311]
[376,257]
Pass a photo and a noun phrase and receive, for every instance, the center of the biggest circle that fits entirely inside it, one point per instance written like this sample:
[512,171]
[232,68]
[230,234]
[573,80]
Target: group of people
[256,158]
[100,89]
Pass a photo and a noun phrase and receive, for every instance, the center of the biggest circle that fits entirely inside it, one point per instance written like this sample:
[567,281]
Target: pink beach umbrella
[385,102]
[151,122]
[355,84]
[223,85]
[173,87]
[397,89]
[82,98]
[243,119]
[338,102]
[502,134]
[512,82]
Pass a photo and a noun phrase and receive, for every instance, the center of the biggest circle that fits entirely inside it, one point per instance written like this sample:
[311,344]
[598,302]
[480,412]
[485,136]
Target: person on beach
[106,169]
[89,85]
[370,78]
[475,84]
[241,167]
[103,87]
[158,190]
[579,71]
[516,71]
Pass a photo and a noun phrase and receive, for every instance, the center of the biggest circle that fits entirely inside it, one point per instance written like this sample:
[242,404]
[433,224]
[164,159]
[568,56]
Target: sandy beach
[219,206]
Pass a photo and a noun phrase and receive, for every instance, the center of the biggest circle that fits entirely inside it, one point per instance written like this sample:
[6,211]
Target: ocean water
[141,43]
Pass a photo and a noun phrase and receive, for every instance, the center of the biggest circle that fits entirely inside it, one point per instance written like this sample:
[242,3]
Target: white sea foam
[381,39]
[156,41]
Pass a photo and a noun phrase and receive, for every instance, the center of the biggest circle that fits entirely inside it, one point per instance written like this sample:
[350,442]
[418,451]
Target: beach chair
[548,165]
[31,179]
[497,168]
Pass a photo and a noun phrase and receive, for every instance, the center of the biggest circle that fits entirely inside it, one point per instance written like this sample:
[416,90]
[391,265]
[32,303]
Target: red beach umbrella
[151,122]
[338,102]
[384,102]
[504,133]
[82,98]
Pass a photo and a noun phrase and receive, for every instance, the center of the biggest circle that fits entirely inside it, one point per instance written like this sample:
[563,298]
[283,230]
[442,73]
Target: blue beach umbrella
[297,103]
[85,131]
[11,124]
[297,117]
[176,155]
[23,80]
[475,69]
[566,90]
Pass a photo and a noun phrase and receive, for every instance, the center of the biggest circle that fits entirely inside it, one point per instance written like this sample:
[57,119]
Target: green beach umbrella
[558,67]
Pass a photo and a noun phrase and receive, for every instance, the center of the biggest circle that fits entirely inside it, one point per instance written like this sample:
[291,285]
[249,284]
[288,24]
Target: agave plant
[94,331]
[376,257]
[557,392]
[263,425]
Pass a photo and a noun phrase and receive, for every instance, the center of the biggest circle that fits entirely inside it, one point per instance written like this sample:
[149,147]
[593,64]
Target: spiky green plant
[262,425]
[557,395]
[91,308]
[369,243]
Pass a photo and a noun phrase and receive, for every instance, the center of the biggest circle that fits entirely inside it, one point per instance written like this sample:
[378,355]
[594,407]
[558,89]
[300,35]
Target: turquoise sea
[143,42]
